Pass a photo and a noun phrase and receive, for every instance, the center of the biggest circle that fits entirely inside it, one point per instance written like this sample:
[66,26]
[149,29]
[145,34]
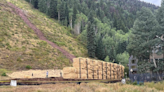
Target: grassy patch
[3,72]
[158,86]
[53,31]
[20,46]
[28,67]
[59,43]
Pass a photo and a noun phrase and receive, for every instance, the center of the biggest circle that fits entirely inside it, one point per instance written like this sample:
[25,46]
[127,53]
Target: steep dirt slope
[20,46]
[39,33]
[51,29]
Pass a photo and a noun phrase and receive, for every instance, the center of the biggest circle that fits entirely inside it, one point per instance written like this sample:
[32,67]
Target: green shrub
[141,83]
[128,81]
[19,59]
[60,43]
[135,83]
[3,74]
[28,67]
[71,49]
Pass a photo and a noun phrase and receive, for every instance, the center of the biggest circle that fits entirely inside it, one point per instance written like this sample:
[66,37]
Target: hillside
[104,25]
[20,46]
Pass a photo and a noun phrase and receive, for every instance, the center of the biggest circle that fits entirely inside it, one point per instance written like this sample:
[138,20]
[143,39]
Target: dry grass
[159,85]
[51,29]
[83,87]
[21,47]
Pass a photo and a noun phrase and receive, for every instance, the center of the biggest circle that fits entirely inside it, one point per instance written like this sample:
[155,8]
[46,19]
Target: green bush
[28,67]
[59,43]
[3,74]
[141,83]
[127,71]
[128,81]
[135,83]
[71,49]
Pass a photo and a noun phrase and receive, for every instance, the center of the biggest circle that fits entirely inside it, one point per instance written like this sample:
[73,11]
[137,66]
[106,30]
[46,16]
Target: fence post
[110,71]
[80,67]
[93,70]
[87,68]
[113,73]
[106,70]
[102,70]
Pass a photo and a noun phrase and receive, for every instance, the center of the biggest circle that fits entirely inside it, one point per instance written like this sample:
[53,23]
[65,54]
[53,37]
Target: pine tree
[100,52]
[107,59]
[160,18]
[67,14]
[59,9]
[42,6]
[53,9]
[91,40]
[144,34]
[74,15]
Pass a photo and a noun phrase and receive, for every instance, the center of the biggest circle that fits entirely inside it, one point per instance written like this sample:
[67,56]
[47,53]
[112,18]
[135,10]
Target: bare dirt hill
[39,33]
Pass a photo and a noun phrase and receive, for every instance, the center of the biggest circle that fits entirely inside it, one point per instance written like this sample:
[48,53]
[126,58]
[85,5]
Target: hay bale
[104,76]
[90,76]
[112,73]
[75,60]
[104,65]
[99,62]
[82,76]
[95,62]
[90,66]
[69,70]
[81,71]
[112,77]
[70,76]
[110,69]
[100,77]
[79,62]
[95,77]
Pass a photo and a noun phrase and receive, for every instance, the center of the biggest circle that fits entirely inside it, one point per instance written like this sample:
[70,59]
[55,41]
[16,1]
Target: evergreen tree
[74,15]
[144,32]
[42,6]
[160,18]
[59,9]
[100,52]
[107,59]
[53,9]
[91,40]
[67,14]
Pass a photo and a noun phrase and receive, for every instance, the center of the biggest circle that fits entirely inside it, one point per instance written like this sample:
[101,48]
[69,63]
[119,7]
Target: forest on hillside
[104,26]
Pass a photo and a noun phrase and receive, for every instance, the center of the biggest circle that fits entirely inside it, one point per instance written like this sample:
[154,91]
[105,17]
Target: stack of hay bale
[85,68]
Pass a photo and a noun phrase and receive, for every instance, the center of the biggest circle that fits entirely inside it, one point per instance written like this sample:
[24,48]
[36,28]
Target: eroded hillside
[20,46]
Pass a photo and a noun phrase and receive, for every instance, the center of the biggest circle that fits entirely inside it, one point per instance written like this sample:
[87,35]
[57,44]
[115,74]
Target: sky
[156,2]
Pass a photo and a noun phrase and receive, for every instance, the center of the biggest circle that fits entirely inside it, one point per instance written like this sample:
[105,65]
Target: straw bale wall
[85,68]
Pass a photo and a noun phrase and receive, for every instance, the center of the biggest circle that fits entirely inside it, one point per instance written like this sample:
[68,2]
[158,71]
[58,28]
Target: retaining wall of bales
[85,68]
